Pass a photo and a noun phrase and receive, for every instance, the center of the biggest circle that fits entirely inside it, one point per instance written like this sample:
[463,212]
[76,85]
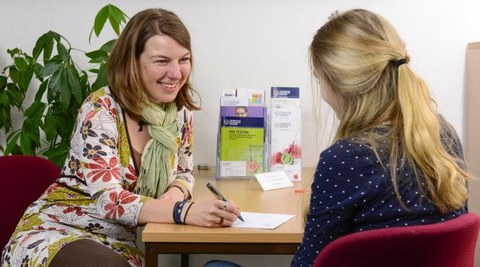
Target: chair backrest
[446,244]
[23,179]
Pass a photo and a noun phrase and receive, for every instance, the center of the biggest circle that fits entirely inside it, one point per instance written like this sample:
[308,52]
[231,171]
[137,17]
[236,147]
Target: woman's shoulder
[347,152]
[100,95]
[349,146]
[102,99]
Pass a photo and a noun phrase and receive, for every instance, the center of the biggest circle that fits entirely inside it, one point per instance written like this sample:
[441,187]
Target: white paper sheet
[262,220]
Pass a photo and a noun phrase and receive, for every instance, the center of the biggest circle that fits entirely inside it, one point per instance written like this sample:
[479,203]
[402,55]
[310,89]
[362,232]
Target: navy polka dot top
[353,192]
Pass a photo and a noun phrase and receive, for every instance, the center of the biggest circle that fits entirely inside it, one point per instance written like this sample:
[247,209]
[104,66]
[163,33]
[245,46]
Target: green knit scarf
[158,152]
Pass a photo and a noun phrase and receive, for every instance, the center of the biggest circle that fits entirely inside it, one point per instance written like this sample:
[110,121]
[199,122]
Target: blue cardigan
[353,192]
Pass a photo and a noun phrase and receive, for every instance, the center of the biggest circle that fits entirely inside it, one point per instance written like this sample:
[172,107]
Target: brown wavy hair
[123,75]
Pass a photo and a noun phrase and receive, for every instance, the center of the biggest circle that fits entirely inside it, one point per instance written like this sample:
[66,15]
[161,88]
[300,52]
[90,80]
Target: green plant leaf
[51,121]
[58,153]
[41,91]
[100,20]
[74,83]
[54,86]
[35,109]
[39,46]
[85,84]
[30,133]
[30,136]
[44,44]
[107,47]
[65,91]
[14,74]
[102,79]
[11,143]
[3,81]
[116,17]
[5,120]
[50,125]
[65,125]
[63,52]
[26,77]
[14,52]
[15,94]
[36,70]
[20,63]
[25,143]
[4,99]
[94,71]
[97,56]
[50,68]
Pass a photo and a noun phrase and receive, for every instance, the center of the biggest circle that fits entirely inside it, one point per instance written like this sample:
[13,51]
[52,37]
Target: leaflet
[241,147]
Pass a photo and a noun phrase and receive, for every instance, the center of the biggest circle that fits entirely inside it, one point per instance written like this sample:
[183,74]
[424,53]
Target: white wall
[259,44]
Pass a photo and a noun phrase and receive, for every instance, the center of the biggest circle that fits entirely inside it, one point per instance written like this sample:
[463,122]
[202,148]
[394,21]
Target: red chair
[23,180]
[447,244]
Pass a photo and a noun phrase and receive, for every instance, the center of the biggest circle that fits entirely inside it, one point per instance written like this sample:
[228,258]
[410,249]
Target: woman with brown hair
[130,160]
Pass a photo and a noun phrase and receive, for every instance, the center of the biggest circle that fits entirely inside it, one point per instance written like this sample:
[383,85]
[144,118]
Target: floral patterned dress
[93,198]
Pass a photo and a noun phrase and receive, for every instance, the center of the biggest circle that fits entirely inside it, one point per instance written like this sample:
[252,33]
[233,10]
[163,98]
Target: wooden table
[247,193]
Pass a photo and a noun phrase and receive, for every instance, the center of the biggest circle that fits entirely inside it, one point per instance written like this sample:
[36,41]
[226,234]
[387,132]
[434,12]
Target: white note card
[273,180]
[262,220]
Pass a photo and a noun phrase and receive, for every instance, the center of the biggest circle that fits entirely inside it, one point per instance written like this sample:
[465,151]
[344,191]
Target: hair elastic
[400,62]
[186,213]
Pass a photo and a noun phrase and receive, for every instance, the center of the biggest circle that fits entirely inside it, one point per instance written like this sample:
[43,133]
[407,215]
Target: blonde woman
[394,161]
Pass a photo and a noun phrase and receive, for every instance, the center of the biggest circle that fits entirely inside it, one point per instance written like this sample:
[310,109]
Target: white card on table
[273,180]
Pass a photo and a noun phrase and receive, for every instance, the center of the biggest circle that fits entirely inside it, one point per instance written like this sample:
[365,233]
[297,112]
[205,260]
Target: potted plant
[60,86]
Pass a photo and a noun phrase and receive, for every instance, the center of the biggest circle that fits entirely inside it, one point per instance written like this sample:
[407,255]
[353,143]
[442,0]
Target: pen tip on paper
[241,219]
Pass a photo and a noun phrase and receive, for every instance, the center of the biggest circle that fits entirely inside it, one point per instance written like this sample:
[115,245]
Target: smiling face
[164,67]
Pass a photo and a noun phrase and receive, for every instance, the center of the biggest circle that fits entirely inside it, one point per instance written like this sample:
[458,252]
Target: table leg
[185,260]
[151,255]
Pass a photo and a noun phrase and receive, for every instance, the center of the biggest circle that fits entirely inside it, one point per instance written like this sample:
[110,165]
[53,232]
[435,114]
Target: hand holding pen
[219,196]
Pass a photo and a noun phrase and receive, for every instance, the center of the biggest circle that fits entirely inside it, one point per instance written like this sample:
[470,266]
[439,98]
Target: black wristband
[177,211]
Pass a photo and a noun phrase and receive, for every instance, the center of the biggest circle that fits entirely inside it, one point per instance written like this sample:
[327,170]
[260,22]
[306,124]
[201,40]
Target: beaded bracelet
[186,212]
[177,211]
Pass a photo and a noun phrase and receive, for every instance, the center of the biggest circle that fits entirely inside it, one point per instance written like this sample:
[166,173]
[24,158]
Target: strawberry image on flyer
[288,155]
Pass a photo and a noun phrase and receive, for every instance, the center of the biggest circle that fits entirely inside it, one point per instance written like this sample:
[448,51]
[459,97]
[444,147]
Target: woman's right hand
[213,213]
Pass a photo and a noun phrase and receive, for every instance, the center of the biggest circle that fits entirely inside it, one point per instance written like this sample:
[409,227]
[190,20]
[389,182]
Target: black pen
[220,196]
